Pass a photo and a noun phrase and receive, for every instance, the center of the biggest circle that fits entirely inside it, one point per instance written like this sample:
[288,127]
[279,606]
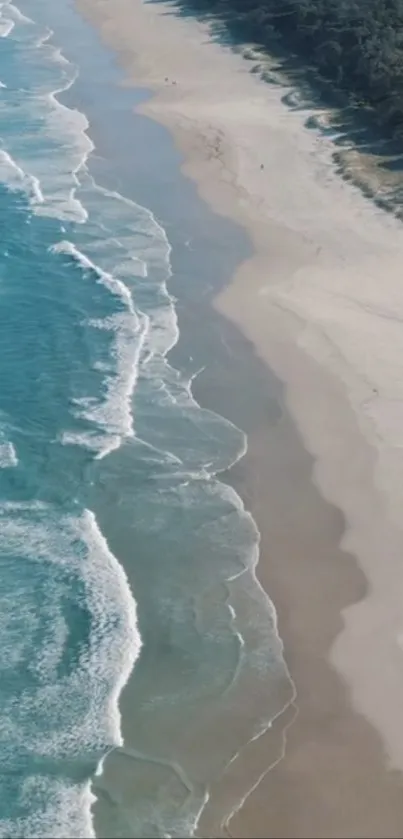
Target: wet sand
[335,344]
[334,779]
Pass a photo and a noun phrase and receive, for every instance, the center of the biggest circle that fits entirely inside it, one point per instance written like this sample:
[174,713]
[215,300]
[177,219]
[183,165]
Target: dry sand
[322,302]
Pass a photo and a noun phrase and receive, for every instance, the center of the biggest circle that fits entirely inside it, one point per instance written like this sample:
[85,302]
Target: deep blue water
[99,433]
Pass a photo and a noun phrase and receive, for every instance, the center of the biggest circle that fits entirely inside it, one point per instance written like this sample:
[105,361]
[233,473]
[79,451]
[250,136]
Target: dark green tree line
[355,44]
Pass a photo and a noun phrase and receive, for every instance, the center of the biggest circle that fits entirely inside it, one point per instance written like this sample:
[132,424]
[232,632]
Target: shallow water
[115,530]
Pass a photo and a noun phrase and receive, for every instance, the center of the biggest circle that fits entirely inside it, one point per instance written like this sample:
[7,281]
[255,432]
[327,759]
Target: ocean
[124,559]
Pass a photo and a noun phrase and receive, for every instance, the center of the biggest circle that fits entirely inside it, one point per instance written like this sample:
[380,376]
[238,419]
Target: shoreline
[345,462]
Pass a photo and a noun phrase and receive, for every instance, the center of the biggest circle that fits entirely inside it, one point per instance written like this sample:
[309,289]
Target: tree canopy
[357,45]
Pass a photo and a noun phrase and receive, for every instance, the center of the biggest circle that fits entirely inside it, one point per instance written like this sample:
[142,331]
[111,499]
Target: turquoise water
[115,535]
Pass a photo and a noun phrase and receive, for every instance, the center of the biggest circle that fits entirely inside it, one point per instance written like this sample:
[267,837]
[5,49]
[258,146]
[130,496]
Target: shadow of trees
[344,57]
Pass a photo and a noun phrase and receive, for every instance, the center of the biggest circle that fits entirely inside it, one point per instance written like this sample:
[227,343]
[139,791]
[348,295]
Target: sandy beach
[322,303]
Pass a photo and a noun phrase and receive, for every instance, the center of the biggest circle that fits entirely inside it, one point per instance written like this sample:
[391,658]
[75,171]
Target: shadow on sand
[363,155]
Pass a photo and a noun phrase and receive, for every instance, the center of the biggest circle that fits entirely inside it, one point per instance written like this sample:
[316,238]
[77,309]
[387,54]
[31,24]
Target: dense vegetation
[356,44]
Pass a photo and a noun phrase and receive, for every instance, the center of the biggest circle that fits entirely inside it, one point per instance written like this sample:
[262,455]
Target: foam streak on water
[6,22]
[8,456]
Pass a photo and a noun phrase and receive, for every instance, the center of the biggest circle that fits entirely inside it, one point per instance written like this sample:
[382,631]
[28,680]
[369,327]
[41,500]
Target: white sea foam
[6,26]
[70,146]
[115,589]
[8,455]
[18,180]
[64,711]
[141,236]
[53,164]
[112,412]
[44,37]
[67,127]
[148,238]
[56,809]
[114,285]
[18,15]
